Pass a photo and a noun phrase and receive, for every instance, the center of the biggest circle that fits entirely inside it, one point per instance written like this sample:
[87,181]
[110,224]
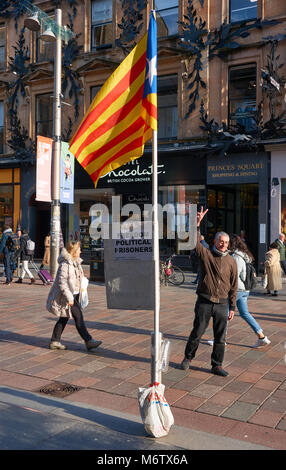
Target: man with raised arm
[217,289]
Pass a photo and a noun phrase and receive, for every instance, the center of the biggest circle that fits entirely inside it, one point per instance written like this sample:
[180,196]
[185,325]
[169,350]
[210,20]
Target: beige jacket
[273,270]
[67,282]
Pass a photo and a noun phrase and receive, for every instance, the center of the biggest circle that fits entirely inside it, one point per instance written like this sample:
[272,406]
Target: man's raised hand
[200,215]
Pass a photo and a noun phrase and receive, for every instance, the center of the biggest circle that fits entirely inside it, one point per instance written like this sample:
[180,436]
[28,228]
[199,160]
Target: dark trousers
[76,312]
[204,310]
[8,260]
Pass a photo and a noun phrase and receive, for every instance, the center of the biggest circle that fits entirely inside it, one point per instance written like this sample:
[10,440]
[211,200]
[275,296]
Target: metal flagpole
[156,338]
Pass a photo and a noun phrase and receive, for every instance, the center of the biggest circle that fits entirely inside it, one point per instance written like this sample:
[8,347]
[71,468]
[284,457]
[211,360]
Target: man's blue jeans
[8,258]
[241,302]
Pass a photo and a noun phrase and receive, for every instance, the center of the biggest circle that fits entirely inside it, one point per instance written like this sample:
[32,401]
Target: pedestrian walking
[242,255]
[46,258]
[281,248]
[273,270]
[16,257]
[8,247]
[217,289]
[65,297]
[25,256]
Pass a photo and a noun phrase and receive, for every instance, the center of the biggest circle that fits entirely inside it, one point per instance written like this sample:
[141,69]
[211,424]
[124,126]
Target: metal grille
[58,389]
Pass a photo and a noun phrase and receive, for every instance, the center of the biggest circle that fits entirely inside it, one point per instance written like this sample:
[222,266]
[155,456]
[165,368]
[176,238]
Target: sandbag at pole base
[155,411]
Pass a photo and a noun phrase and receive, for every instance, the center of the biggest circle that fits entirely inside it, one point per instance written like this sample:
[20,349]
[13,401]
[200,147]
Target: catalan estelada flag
[123,114]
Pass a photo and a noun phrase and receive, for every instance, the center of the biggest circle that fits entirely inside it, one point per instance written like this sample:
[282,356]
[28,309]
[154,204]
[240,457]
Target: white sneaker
[211,342]
[261,342]
[57,345]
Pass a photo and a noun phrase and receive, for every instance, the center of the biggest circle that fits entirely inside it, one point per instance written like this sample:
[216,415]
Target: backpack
[30,247]
[251,277]
[250,281]
[11,243]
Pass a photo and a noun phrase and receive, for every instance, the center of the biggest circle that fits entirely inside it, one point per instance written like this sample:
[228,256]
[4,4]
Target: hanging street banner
[44,168]
[67,175]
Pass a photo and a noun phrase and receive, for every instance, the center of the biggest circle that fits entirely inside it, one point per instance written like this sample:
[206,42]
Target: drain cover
[58,389]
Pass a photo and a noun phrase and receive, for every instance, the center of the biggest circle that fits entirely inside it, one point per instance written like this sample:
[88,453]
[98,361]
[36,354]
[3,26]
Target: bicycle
[171,273]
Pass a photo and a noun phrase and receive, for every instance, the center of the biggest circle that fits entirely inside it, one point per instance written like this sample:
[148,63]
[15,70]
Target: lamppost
[53,32]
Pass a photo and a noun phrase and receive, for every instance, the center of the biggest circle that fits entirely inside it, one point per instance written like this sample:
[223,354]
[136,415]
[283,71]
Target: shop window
[283,205]
[167,17]
[167,107]
[179,197]
[44,49]
[6,205]
[44,115]
[242,96]
[1,127]
[101,24]
[221,214]
[241,10]
[85,200]
[2,47]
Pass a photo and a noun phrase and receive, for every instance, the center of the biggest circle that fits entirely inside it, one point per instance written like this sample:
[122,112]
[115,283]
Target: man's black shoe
[218,370]
[185,364]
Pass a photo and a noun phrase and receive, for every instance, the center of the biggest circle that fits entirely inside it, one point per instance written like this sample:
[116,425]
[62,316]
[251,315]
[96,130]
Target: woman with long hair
[65,296]
[242,255]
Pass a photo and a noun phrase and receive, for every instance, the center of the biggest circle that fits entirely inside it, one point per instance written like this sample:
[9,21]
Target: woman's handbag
[155,411]
[83,292]
[264,281]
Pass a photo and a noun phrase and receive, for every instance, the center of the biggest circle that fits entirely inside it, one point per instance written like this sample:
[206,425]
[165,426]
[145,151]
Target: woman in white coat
[65,295]
[273,269]
[242,256]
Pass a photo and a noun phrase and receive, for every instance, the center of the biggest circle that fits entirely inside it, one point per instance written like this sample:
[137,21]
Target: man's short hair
[221,234]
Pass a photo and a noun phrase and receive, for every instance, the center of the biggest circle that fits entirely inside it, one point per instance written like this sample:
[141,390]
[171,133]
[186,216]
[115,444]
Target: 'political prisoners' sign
[130,247]
[129,271]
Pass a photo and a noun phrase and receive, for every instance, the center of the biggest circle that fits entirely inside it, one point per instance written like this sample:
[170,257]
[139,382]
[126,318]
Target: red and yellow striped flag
[121,117]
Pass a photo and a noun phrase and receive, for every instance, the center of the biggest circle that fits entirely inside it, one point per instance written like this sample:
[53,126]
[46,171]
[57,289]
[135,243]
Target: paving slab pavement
[247,407]
[33,422]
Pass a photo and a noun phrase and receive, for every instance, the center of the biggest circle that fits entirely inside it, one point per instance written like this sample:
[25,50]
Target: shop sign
[232,170]
[135,171]
[44,167]
[67,175]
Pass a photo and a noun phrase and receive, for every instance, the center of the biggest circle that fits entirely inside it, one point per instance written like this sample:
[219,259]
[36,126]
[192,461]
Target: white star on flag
[152,70]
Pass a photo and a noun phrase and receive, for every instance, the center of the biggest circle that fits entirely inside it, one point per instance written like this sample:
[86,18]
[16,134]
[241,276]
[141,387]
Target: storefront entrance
[233,208]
